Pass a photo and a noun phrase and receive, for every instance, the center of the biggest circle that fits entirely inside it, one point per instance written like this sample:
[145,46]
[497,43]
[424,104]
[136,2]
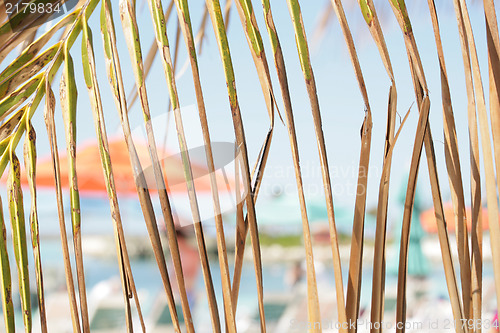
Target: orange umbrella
[91,178]
[429,224]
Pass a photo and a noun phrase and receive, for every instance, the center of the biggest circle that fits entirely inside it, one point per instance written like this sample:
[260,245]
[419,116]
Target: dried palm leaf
[454,172]
[163,46]
[421,91]
[88,61]
[356,257]
[215,12]
[490,180]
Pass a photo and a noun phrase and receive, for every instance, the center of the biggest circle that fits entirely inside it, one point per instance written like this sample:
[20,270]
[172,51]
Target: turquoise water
[148,282]
[96,221]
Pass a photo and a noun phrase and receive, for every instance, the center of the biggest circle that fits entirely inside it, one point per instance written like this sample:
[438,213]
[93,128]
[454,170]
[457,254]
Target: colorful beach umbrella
[283,213]
[417,264]
[429,222]
[91,179]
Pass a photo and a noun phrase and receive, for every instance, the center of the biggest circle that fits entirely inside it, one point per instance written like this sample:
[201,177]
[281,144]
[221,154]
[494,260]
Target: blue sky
[341,103]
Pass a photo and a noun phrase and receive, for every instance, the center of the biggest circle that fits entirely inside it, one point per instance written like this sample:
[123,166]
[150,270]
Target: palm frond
[163,47]
[5,279]
[215,12]
[51,131]
[313,308]
[454,173]
[491,191]
[17,222]
[30,164]
[128,285]
[36,54]
[113,68]
[356,257]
